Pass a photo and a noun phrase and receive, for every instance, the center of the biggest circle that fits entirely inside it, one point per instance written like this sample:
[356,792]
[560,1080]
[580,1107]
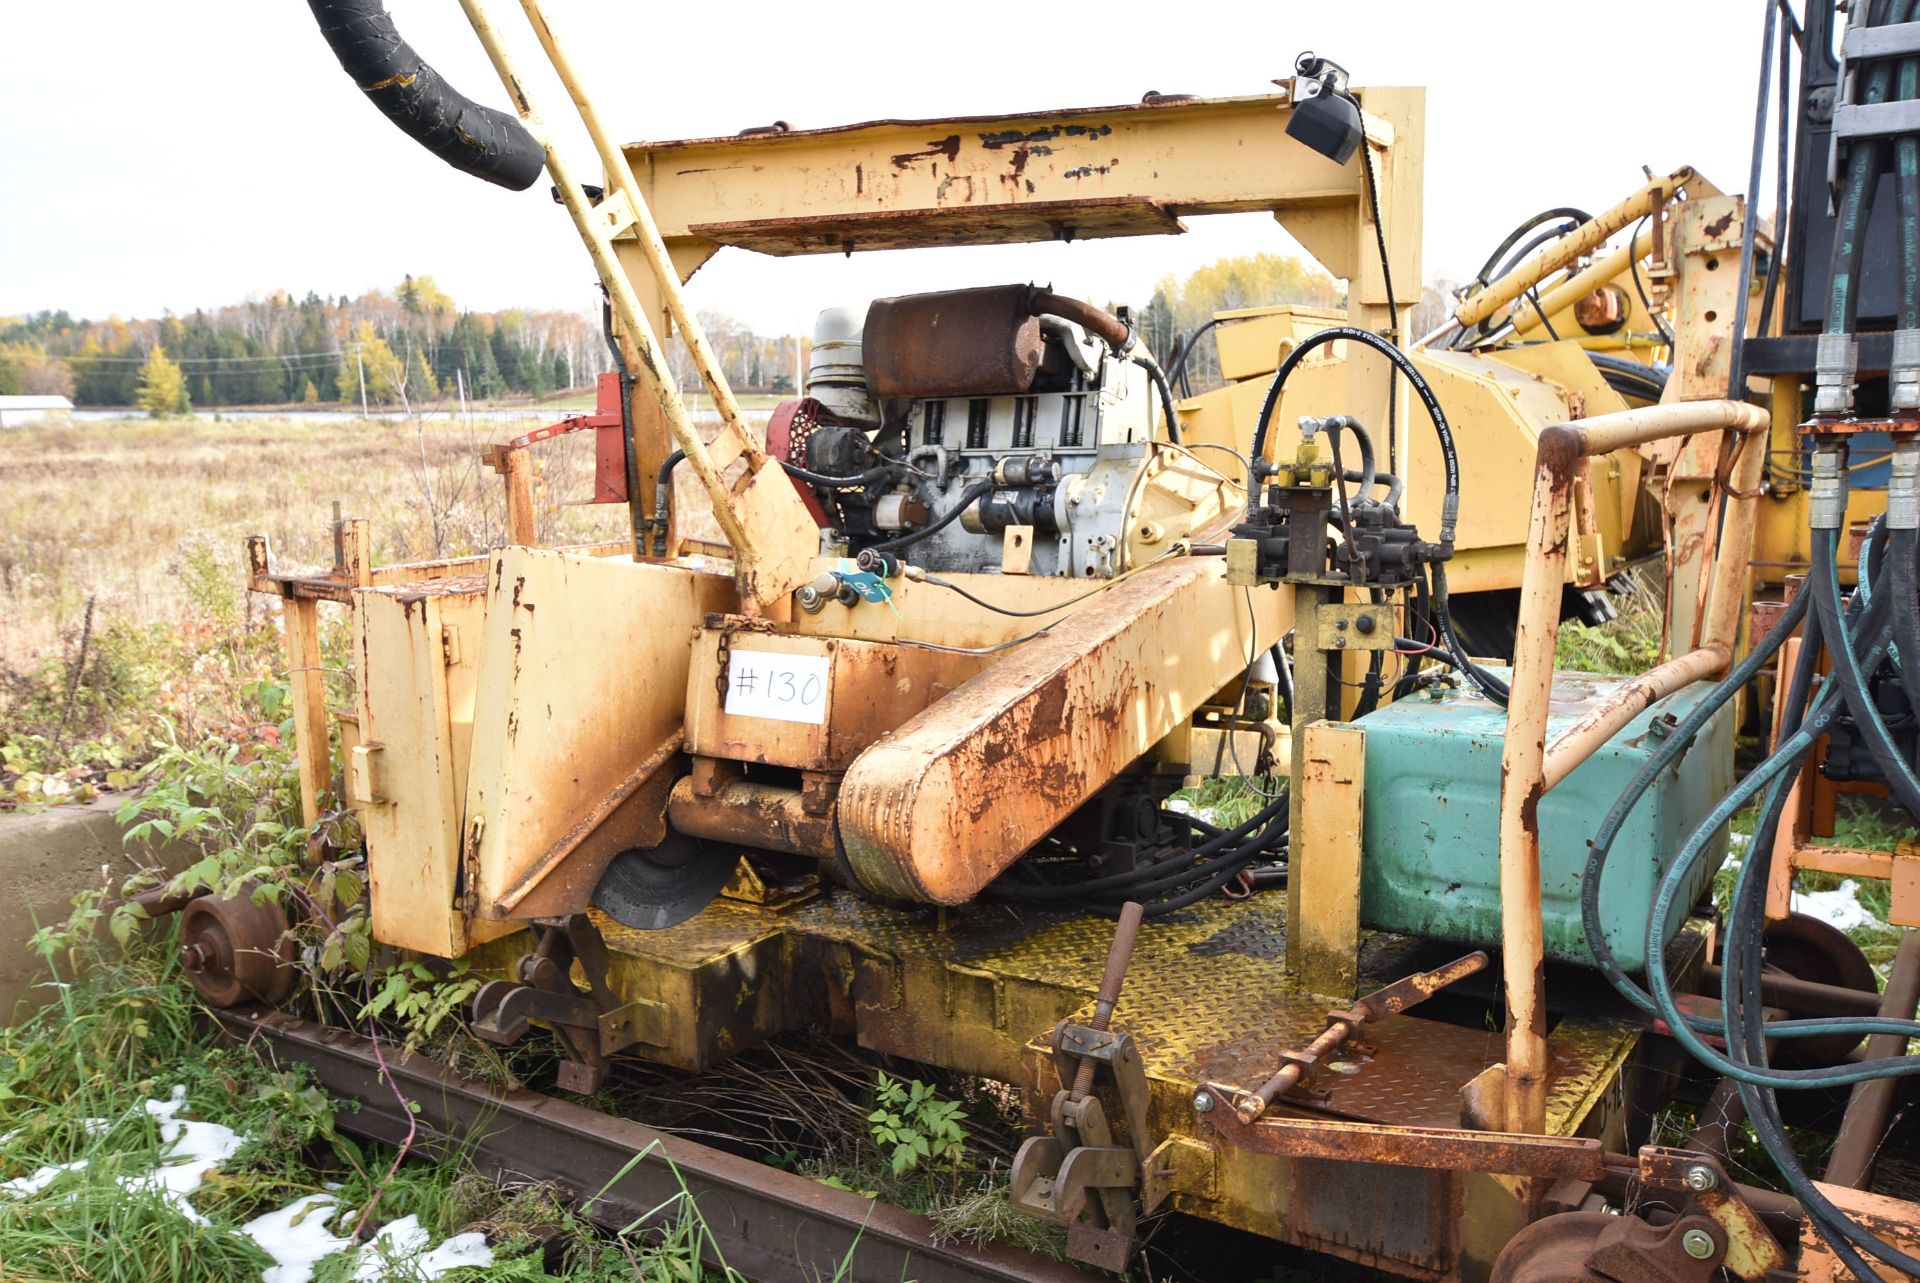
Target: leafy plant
[913,1125]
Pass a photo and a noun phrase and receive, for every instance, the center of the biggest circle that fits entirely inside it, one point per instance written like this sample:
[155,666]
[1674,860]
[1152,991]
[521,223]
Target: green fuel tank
[1432,826]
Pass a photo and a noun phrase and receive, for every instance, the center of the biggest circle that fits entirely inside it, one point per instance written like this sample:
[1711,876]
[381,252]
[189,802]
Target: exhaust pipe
[475,140]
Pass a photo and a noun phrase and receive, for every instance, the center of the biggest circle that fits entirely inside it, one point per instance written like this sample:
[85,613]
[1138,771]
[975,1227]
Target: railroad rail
[769,1225]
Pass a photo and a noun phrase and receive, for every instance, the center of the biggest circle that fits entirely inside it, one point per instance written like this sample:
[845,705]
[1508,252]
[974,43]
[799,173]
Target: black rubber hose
[1906,185]
[1894,768]
[1368,474]
[978,490]
[1449,456]
[1578,216]
[1154,372]
[1178,374]
[826,481]
[1864,164]
[1904,546]
[1626,375]
[1640,286]
[630,457]
[475,140]
[663,490]
[1232,841]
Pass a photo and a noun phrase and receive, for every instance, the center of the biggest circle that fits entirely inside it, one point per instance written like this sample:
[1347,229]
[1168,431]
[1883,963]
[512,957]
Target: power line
[288,358]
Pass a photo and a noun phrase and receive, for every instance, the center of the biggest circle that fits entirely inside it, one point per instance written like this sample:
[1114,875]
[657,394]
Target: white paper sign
[790,688]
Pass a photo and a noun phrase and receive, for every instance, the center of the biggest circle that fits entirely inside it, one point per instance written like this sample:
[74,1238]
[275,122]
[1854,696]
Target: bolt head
[1700,1178]
[1698,1244]
[1203,1102]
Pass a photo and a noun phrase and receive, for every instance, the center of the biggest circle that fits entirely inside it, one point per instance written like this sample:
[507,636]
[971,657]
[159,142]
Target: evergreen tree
[420,382]
[163,388]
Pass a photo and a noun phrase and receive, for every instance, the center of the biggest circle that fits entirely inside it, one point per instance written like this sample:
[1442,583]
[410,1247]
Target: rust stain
[948,147]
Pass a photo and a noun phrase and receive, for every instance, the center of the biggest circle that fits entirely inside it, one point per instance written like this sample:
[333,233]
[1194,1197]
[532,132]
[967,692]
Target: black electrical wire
[1533,296]
[978,490]
[1152,367]
[1393,309]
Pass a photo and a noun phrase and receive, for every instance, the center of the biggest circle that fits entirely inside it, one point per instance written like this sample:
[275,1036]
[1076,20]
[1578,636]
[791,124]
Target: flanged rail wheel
[236,950]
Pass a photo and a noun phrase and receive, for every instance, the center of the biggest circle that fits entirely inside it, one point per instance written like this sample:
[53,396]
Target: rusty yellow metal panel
[1087,171]
[578,713]
[1248,339]
[938,809]
[416,712]
[1332,793]
[870,688]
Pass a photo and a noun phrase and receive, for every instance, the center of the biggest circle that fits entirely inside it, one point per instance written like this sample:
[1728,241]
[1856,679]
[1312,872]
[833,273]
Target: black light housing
[1325,117]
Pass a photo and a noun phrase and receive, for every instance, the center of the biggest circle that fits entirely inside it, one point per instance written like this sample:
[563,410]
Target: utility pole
[362,365]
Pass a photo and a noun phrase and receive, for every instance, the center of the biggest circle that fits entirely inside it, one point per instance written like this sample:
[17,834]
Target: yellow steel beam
[1075,173]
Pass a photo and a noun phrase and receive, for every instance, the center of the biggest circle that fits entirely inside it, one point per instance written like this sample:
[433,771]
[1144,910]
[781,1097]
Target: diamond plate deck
[1207,995]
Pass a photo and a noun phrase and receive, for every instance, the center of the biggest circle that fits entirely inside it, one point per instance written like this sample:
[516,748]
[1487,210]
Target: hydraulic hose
[1904,546]
[1489,685]
[978,490]
[630,460]
[1152,367]
[1178,374]
[1563,212]
[1449,456]
[1894,768]
[1864,164]
[474,139]
[826,481]
[663,490]
[1368,474]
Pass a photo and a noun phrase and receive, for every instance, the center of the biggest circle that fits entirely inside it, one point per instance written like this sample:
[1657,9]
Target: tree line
[278,350]
[412,344]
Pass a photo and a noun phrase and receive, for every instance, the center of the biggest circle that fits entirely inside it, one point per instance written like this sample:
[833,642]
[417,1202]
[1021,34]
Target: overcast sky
[177,156]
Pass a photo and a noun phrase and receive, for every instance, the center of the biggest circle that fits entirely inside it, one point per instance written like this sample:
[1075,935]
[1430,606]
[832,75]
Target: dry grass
[130,512]
[123,615]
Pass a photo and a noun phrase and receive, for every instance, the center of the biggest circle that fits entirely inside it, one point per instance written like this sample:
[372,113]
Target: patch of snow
[403,1244]
[296,1237]
[28,1186]
[1839,907]
[197,1149]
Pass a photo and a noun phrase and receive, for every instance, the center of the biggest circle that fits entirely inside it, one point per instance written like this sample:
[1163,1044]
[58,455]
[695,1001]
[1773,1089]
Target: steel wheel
[234,950]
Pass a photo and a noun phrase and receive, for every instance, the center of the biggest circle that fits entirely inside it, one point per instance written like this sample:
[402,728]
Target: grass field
[121,561]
